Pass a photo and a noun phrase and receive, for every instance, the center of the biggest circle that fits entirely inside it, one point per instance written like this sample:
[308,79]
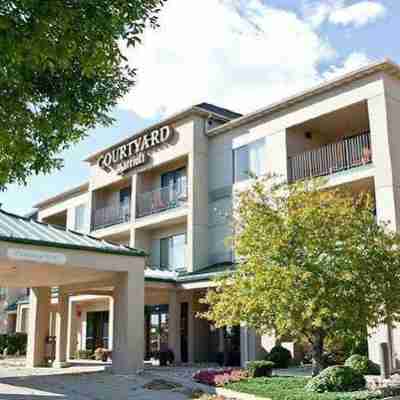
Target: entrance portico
[40,256]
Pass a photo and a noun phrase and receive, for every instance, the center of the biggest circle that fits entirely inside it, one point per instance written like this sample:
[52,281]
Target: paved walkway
[88,382]
[91,381]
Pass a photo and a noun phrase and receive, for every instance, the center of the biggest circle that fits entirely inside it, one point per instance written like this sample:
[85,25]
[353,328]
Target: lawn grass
[292,388]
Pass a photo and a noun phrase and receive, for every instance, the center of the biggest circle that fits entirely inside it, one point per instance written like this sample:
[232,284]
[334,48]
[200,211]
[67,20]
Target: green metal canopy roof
[203,274]
[16,229]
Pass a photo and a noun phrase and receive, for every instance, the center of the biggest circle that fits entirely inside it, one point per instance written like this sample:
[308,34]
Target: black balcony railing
[330,158]
[111,215]
[161,199]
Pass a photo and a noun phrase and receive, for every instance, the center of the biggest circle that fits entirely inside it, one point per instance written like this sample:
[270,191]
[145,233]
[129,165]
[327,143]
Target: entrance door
[97,330]
[156,322]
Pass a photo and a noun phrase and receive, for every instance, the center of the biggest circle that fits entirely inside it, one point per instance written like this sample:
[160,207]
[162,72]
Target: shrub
[84,354]
[3,343]
[14,343]
[257,369]
[280,356]
[363,365]
[336,379]
[220,377]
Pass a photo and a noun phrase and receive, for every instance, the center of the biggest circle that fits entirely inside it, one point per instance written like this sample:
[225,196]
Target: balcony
[343,155]
[111,215]
[159,200]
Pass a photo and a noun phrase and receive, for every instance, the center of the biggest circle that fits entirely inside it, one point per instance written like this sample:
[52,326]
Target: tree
[313,264]
[61,72]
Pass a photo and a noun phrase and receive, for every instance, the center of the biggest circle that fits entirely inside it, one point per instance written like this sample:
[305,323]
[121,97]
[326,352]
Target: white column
[384,121]
[387,177]
[39,316]
[174,342]
[18,327]
[82,328]
[61,322]
[244,345]
[111,324]
[384,142]
[128,350]
[276,154]
[71,343]
[197,221]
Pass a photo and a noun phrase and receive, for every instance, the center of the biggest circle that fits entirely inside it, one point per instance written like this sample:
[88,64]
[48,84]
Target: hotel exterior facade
[169,190]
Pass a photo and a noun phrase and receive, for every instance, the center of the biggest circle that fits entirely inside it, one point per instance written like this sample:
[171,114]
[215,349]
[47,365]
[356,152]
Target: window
[3,294]
[249,160]
[175,180]
[125,197]
[80,218]
[125,203]
[172,252]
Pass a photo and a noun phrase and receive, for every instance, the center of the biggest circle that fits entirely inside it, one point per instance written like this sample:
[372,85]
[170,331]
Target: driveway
[89,382]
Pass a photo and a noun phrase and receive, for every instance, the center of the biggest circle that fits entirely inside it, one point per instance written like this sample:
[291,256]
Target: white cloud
[354,61]
[209,51]
[317,12]
[338,12]
[234,53]
[358,14]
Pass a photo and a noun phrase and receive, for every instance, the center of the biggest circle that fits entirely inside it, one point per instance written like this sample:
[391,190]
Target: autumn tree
[313,264]
[61,72]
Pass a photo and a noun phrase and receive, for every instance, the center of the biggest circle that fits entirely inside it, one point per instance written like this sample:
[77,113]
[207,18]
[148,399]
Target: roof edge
[129,253]
[128,250]
[63,195]
[195,109]
[387,65]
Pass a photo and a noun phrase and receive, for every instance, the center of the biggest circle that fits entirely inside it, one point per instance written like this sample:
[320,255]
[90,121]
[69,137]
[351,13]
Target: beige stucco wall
[69,205]
[209,163]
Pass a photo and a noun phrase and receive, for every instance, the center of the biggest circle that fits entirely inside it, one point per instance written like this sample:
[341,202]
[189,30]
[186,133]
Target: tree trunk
[318,362]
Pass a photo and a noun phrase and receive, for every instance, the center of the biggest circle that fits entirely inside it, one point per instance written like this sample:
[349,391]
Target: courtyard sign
[134,153]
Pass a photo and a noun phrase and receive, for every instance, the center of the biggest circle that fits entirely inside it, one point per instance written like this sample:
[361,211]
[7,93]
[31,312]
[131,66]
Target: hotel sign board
[136,152]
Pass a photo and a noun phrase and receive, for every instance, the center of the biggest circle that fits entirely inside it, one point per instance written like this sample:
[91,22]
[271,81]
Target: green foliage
[14,343]
[314,265]
[259,368]
[280,356]
[344,347]
[3,343]
[293,388]
[363,365]
[337,379]
[62,70]
[84,354]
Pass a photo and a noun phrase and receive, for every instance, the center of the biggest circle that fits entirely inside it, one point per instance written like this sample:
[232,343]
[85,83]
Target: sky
[239,54]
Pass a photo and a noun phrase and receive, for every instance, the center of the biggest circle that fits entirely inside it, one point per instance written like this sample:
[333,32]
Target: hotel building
[169,190]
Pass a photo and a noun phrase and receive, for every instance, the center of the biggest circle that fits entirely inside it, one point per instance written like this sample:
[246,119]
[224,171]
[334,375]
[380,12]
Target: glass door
[97,330]
[173,184]
[157,330]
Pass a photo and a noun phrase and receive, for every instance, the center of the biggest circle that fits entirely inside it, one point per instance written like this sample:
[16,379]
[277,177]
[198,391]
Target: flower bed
[220,377]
